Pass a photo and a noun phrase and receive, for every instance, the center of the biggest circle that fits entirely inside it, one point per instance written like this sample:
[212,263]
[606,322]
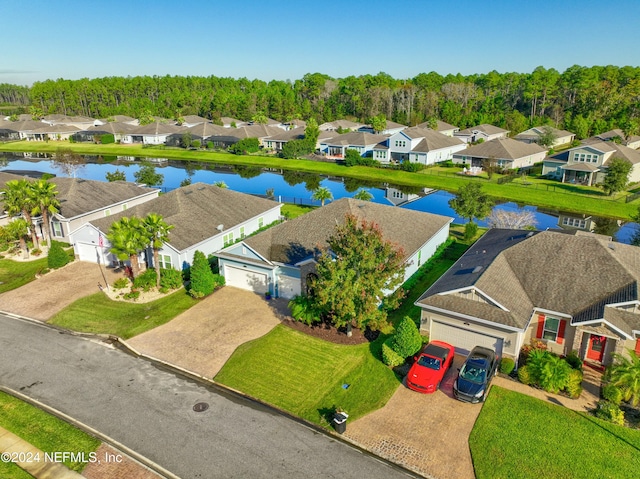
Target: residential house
[47,132]
[363,143]
[8,131]
[120,119]
[507,152]
[80,122]
[482,132]
[115,128]
[281,259]
[230,136]
[82,201]
[572,292]
[204,218]
[533,135]
[229,122]
[193,120]
[617,135]
[277,141]
[391,128]
[340,125]
[587,164]
[155,133]
[422,145]
[441,127]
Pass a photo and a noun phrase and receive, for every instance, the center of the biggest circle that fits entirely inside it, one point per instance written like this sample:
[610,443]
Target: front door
[595,350]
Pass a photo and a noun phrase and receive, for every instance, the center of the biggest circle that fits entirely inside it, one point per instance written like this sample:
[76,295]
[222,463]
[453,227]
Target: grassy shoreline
[536,192]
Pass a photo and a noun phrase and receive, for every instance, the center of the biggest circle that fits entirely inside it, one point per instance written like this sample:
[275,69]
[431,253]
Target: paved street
[151,412]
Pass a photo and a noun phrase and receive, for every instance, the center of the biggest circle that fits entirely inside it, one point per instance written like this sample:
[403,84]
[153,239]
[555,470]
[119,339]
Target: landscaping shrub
[107,138]
[210,145]
[389,356]
[610,412]
[470,230]
[219,281]
[245,146]
[302,310]
[120,283]
[574,360]
[170,278]
[612,394]
[406,340]
[507,365]
[412,167]
[36,252]
[132,295]
[203,281]
[57,256]
[146,280]
[554,374]
[574,384]
[524,375]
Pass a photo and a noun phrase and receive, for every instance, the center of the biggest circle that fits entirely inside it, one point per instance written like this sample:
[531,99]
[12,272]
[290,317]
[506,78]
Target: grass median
[14,274]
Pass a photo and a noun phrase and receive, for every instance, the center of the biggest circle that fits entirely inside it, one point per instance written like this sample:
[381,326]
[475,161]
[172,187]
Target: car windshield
[431,363]
[474,372]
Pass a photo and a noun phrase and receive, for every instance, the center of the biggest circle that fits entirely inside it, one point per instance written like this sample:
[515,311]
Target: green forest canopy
[585,100]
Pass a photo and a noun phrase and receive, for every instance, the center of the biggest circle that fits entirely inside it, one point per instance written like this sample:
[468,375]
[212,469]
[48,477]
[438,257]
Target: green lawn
[42,430]
[293,211]
[517,436]
[14,274]
[99,314]
[304,375]
[537,192]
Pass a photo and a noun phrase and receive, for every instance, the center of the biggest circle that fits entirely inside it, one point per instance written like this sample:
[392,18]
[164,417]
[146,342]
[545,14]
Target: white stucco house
[204,217]
[280,259]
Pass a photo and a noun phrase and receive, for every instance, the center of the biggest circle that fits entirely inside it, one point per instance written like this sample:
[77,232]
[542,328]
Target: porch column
[564,172]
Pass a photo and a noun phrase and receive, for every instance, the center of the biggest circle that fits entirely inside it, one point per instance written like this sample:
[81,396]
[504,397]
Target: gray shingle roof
[435,141]
[356,138]
[195,211]
[537,131]
[502,148]
[485,128]
[158,128]
[575,275]
[298,239]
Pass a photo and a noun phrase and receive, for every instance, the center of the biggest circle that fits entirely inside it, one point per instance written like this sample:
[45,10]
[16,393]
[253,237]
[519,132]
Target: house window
[260,222]
[107,212]
[165,261]
[57,229]
[124,207]
[550,331]
[242,235]
[228,239]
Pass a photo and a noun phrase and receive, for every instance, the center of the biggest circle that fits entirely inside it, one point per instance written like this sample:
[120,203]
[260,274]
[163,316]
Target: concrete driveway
[428,433]
[46,296]
[203,338]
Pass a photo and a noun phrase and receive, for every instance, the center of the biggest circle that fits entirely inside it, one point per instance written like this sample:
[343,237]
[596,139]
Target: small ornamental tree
[356,272]
[406,340]
[203,281]
[57,257]
[617,176]
[471,203]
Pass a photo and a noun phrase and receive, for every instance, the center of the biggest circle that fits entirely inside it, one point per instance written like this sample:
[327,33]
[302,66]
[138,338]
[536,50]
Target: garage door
[288,287]
[89,252]
[464,339]
[245,279]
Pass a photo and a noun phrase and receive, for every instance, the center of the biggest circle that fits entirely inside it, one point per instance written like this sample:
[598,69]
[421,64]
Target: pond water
[293,187]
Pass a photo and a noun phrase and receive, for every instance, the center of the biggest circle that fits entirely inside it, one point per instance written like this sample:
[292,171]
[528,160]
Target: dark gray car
[476,373]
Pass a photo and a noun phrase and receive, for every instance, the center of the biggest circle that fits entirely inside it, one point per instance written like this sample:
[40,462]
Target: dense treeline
[585,100]
[14,95]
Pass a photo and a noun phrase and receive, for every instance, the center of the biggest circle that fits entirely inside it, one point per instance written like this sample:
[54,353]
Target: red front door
[595,350]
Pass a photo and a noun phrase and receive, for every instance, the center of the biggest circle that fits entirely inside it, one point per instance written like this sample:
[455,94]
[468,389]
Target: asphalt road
[151,411]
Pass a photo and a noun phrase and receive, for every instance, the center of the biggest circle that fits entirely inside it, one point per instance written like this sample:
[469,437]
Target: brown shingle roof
[502,148]
[357,138]
[485,128]
[298,239]
[195,211]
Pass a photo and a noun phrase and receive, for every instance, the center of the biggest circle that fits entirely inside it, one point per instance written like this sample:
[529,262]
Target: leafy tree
[203,281]
[548,137]
[322,194]
[186,140]
[36,113]
[516,122]
[355,274]
[117,175]
[625,374]
[311,134]
[471,203]
[128,238]
[490,165]
[196,144]
[18,230]
[146,118]
[68,161]
[617,176]
[363,195]
[185,182]
[57,256]
[158,234]
[245,146]
[260,119]
[352,157]
[18,200]
[147,175]
[295,149]
[378,123]
[45,202]
[580,126]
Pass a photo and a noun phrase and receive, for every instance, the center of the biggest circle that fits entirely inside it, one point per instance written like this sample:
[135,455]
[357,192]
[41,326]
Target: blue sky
[285,39]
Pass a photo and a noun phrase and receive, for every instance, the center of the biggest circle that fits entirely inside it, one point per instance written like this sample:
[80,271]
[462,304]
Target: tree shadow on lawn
[576,189]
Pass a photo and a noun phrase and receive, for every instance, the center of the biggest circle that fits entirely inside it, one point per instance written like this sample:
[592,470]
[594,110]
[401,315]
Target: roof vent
[529,234]
[220,227]
[477,269]
[612,246]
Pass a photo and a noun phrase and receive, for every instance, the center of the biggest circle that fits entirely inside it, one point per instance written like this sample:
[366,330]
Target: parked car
[475,375]
[430,366]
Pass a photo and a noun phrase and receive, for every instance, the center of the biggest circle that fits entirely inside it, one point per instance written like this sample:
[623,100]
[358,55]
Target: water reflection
[292,186]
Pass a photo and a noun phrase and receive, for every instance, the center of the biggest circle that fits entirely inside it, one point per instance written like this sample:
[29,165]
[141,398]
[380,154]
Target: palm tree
[128,238]
[322,194]
[44,195]
[18,229]
[158,233]
[363,195]
[220,184]
[625,374]
[19,200]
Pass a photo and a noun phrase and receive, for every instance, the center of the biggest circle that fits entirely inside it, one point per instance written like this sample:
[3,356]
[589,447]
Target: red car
[430,366]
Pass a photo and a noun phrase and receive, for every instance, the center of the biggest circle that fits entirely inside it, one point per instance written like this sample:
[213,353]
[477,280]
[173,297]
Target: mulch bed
[330,333]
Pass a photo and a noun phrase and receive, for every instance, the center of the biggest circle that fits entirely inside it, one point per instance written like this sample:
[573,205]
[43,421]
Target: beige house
[587,164]
[572,292]
[533,135]
[508,154]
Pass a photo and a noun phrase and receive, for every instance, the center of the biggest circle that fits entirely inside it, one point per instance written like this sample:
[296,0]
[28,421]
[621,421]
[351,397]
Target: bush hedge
[407,340]
[389,356]
[170,278]
[612,394]
[57,256]
[610,412]
[121,283]
[203,281]
[145,280]
[507,365]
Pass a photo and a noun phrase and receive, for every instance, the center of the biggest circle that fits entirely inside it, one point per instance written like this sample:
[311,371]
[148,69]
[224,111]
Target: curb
[190,375]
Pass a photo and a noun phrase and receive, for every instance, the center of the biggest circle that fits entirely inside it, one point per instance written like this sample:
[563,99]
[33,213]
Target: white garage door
[464,339]
[288,287]
[87,252]
[245,279]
